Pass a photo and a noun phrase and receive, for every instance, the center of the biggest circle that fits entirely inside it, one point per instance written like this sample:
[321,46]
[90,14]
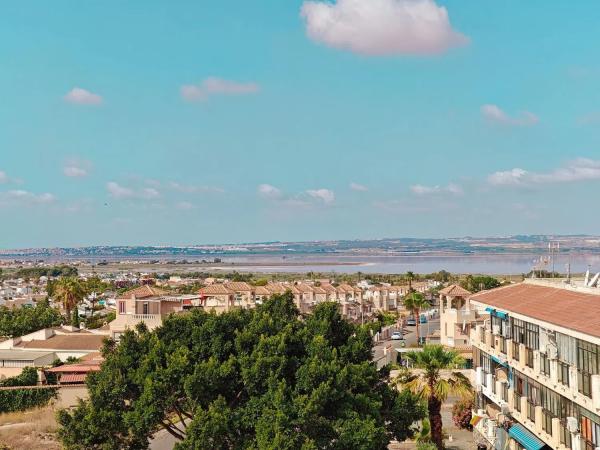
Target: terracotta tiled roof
[144,291]
[305,288]
[238,286]
[67,342]
[563,307]
[454,290]
[215,289]
[276,288]
[328,288]
[319,290]
[262,290]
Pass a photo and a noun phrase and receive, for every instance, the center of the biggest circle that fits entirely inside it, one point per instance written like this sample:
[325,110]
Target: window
[516,351]
[518,331]
[145,308]
[565,435]
[122,307]
[533,398]
[590,433]
[588,364]
[544,364]
[529,358]
[563,373]
[532,336]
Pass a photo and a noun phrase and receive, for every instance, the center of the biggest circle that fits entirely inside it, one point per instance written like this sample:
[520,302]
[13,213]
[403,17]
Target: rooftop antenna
[569,272]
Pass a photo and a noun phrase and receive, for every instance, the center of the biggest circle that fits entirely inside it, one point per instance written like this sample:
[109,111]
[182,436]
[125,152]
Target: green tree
[247,379]
[21,321]
[69,292]
[415,302]
[433,386]
[477,283]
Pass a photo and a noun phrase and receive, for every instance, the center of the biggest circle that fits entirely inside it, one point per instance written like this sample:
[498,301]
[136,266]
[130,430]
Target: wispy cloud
[184,206]
[494,114]
[120,192]
[216,86]
[580,169]
[22,197]
[325,195]
[382,27]
[358,187]
[80,96]
[451,188]
[76,168]
[269,191]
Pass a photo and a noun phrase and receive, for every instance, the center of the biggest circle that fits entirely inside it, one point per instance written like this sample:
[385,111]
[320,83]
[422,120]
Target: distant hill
[520,244]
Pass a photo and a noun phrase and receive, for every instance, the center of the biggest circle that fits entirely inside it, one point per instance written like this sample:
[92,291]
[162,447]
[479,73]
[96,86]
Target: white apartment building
[537,366]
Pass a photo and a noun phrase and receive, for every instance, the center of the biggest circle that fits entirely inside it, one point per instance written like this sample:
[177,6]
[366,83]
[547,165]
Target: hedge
[12,400]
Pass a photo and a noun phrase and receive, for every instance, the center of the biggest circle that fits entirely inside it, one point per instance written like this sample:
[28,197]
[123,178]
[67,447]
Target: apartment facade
[147,304]
[537,366]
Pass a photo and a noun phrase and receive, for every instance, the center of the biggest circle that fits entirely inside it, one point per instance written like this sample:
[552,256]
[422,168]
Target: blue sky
[155,122]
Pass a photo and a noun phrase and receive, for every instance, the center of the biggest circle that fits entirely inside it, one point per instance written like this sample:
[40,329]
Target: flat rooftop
[567,308]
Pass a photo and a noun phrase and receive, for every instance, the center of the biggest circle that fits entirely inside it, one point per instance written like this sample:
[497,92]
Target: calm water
[492,264]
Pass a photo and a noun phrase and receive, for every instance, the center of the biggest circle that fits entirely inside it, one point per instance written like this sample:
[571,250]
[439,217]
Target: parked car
[397,336]
[411,322]
[423,319]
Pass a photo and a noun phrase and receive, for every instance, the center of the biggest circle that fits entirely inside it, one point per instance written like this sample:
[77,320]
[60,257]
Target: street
[410,337]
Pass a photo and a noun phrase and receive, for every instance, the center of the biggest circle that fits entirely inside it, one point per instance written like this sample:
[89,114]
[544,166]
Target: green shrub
[22,399]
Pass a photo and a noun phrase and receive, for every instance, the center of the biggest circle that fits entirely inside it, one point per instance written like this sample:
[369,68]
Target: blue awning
[499,361]
[525,437]
[489,309]
[501,314]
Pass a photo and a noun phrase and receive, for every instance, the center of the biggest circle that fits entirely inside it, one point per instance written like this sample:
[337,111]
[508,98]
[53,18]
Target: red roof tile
[574,310]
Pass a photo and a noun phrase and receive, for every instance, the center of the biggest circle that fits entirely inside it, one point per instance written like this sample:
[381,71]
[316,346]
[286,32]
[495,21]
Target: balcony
[123,321]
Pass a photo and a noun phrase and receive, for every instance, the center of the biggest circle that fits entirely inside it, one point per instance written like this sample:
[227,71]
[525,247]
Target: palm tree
[434,387]
[69,292]
[414,302]
[410,276]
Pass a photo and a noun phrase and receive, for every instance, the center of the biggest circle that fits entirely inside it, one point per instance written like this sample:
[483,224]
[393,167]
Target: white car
[397,336]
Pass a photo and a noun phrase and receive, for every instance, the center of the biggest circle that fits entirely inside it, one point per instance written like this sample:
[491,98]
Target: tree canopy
[247,379]
[20,321]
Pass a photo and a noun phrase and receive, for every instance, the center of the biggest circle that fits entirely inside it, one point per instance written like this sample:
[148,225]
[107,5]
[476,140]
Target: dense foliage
[247,379]
[462,413]
[476,283]
[36,272]
[23,399]
[28,377]
[20,321]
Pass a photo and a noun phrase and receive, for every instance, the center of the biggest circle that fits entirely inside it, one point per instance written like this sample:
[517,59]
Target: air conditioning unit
[572,425]
[505,409]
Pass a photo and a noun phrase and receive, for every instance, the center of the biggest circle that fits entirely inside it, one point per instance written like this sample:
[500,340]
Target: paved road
[410,337]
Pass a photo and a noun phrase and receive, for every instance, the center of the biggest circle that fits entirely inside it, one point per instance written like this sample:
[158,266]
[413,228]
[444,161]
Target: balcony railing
[145,316]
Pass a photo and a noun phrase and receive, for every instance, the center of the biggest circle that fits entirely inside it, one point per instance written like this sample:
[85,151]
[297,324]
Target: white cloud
[216,86]
[269,191]
[184,206]
[325,195]
[3,177]
[81,96]
[494,114]
[451,188]
[358,187]
[149,193]
[118,191]
[76,168]
[381,27]
[581,169]
[22,197]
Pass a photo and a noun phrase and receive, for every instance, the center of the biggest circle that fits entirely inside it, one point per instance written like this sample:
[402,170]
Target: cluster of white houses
[150,304]
[536,358]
